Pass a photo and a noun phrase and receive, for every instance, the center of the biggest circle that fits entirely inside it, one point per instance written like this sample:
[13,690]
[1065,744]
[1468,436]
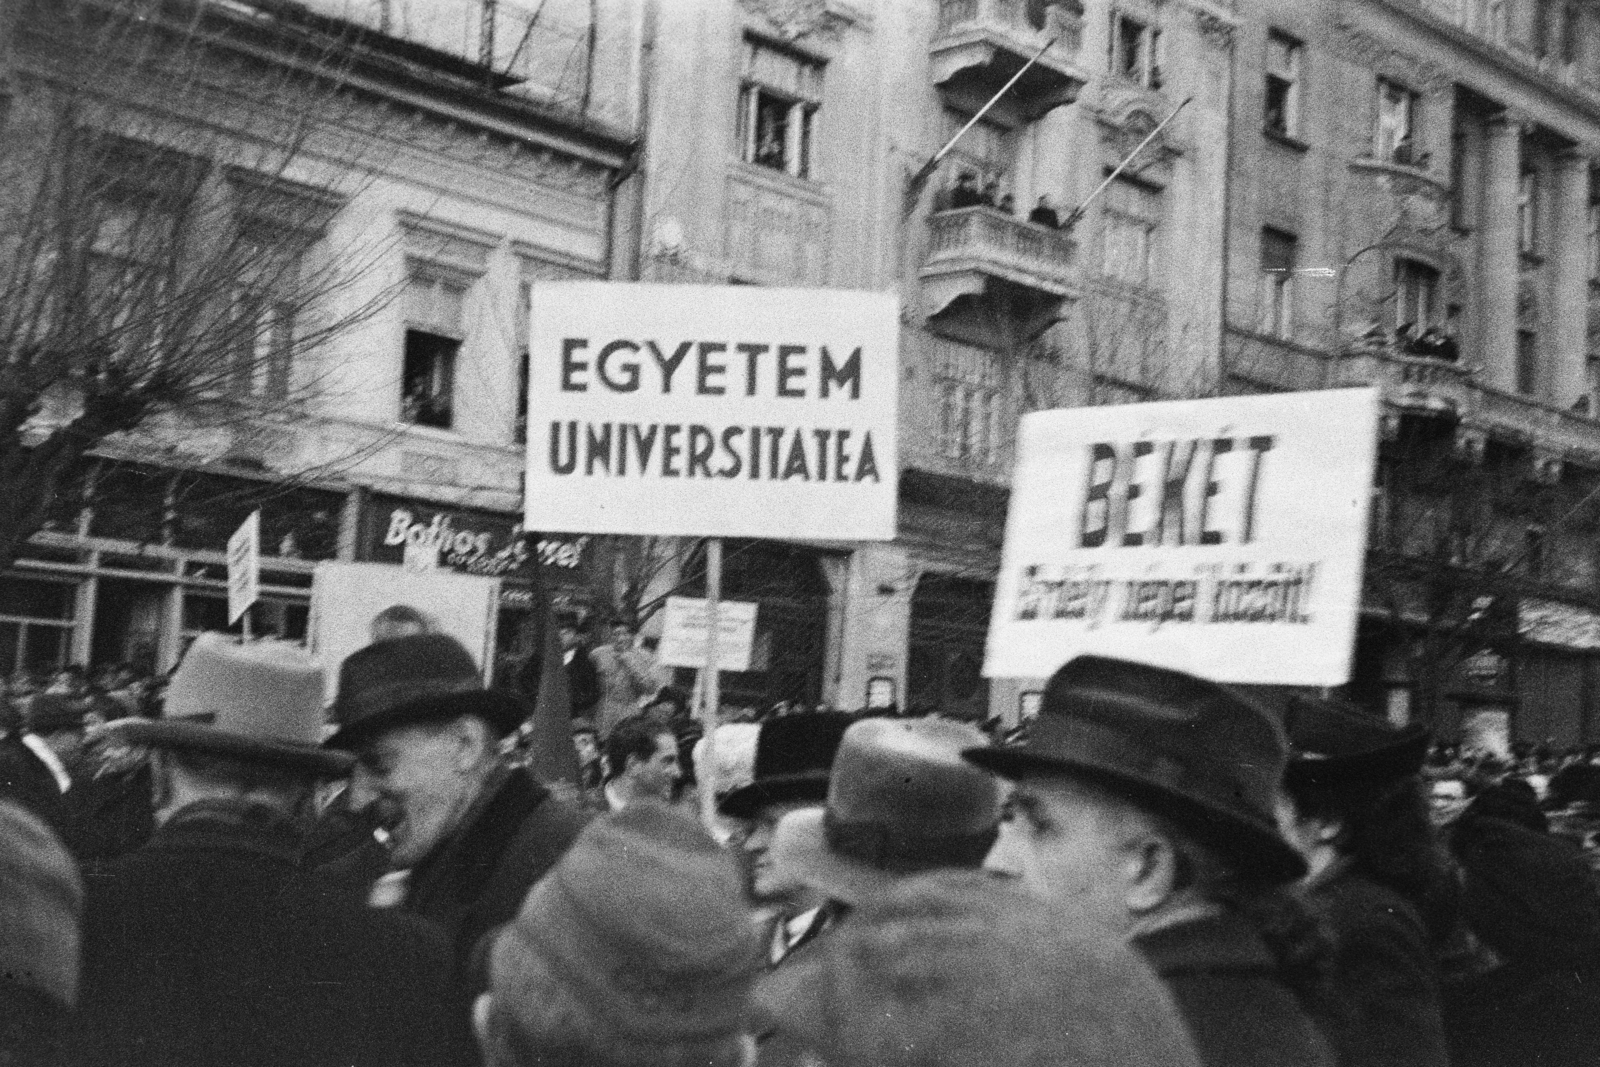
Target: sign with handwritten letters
[732,411]
[1223,537]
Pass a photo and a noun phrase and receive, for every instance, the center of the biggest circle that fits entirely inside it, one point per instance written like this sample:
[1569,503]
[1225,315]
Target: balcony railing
[1424,383]
[985,242]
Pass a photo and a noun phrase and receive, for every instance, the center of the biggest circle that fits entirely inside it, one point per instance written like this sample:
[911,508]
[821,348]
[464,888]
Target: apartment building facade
[789,144]
[1412,205]
[439,180]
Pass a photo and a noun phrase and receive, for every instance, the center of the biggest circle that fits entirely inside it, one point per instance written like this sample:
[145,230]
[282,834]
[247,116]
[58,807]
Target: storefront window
[269,617]
[35,623]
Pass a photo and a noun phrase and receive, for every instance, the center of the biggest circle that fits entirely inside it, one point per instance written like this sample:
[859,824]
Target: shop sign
[720,411]
[473,544]
[1224,537]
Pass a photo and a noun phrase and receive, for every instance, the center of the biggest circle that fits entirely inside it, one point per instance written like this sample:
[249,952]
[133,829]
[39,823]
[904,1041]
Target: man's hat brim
[1256,848]
[198,737]
[502,711]
[748,800]
[1402,759]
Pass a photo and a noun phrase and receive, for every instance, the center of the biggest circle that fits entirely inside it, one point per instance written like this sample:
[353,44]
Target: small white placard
[244,567]
[684,633]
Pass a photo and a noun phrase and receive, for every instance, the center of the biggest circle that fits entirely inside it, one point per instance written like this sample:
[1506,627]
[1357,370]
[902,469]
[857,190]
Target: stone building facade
[447,184]
[1412,205]
[785,144]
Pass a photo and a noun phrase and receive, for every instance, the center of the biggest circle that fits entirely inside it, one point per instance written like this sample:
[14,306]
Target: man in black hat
[793,756]
[210,944]
[473,831]
[1355,810]
[1146,799]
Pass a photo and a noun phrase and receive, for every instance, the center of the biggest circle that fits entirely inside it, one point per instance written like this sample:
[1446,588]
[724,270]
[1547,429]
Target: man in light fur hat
[210,945]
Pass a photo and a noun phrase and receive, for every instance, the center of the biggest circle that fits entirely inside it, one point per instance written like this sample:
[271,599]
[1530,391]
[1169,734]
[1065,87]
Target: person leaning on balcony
[965,193]
[1044,214]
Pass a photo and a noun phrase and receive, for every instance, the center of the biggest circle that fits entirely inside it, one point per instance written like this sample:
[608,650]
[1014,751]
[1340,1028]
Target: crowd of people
[1158,871]
[967,191]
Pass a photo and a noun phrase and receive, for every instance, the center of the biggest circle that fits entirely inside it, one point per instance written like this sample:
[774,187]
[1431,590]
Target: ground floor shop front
[135,565]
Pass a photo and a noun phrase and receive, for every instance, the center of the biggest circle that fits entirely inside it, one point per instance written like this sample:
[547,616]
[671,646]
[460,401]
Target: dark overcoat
[1224,982]
[1385,983]
[476,880]
[210,946]
[1530,898]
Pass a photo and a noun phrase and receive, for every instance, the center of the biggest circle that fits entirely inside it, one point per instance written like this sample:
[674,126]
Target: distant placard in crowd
[346,598]
[1223,537]
[244,567]
[737,411]
[685,627]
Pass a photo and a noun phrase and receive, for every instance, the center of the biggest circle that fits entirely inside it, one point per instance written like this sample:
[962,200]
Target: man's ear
[472,741]
[1151,873]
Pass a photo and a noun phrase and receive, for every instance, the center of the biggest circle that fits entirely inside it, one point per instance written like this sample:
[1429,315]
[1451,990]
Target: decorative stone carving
[1356,44]
[773,236]
[790,20]
[1215,31]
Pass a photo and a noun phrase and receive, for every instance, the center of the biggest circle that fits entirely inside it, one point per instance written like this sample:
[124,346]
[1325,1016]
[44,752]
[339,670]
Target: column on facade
[1569,283]
[1498,254]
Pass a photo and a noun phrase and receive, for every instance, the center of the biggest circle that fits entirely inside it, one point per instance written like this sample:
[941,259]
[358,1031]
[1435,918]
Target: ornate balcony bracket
[981,44]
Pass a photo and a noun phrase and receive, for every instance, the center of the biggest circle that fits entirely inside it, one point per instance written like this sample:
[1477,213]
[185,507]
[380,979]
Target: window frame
[1389,90]
[1278,304]
[797,153]
[1291,79]
[1416,283]
[1144,69]
[1528,229]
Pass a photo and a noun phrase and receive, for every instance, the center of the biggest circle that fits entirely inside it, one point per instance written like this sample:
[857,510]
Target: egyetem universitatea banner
[1223,537]
[735,411]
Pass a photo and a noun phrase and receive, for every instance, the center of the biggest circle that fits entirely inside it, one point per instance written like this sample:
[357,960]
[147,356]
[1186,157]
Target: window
[434,315]
[1282,108]
[1528,213]
[1462,201]
[1279,250]
[263,333]
[1396,123]
[1527,362]
[1135,47]
[1131,216]
[778,101]
[1416,295]
[969,402]
[1496,22]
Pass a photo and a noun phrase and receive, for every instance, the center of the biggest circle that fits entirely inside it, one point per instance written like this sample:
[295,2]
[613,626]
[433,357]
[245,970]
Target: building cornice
[1493,72]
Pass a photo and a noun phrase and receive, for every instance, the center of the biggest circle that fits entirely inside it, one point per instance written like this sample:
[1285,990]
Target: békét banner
[1223,537]
[735,411]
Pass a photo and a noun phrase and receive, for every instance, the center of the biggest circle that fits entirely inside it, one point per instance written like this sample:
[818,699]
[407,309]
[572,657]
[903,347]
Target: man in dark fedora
[473,831]
[793,757]
[1354,809]
[210,944]
[1145,800]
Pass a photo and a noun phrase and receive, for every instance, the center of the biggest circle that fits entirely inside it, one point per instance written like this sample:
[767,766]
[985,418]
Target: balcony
[979,45]
[1423,384]
[975,251]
